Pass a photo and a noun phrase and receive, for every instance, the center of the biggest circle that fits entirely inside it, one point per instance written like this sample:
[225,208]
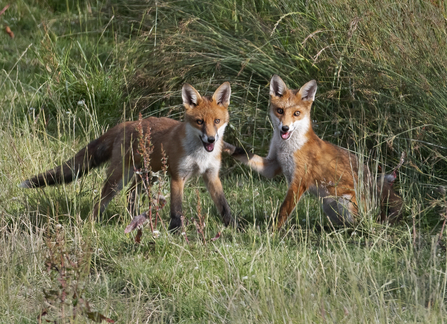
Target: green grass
[76,68]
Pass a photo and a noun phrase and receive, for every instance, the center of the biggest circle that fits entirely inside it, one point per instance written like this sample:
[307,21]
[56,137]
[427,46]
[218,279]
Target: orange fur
[310,163]
[192,148]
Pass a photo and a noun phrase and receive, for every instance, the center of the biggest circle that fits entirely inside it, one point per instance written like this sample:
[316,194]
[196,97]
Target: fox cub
[192,148]
[310,163]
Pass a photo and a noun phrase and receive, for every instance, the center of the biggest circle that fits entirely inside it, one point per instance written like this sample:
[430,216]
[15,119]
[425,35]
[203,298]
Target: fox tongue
[285,135]
[209,147]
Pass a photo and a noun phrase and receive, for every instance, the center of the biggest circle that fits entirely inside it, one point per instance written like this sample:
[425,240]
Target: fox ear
[222,95]
[190,96]
[277,86]
[308,90]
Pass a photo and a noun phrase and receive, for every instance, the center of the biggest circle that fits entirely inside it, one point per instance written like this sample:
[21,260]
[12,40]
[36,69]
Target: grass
[76,68]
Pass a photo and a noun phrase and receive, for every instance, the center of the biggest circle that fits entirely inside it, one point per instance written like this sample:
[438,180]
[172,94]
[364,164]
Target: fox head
[290,109]
[207,117]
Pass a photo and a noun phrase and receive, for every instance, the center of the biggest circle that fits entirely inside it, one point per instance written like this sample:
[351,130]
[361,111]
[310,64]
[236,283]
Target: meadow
[70,70]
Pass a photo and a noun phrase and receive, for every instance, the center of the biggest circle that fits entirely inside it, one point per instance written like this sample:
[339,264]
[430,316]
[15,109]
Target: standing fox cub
[192,148]
[310,163]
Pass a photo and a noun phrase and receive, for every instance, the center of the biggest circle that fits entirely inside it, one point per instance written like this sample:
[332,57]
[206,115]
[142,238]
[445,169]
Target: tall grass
[246,277]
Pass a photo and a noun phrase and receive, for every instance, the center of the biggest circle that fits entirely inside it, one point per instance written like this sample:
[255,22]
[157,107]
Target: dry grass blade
[4,9]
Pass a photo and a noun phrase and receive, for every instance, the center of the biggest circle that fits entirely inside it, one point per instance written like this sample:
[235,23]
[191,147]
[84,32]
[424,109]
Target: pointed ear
[222,95]
[191,98]
[308,91]
[277,86]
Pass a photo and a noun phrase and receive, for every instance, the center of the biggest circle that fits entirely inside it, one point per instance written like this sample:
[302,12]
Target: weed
[68,272]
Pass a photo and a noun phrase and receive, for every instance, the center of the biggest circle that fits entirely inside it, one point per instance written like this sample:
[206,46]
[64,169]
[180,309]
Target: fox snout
[209,141]
[285,131]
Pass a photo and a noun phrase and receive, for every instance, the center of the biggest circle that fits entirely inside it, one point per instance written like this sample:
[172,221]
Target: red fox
[310,163]
[192,147]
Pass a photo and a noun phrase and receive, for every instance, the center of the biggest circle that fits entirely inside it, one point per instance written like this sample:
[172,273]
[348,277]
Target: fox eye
[296,113]
[216,121]
[280,111]
[199,121]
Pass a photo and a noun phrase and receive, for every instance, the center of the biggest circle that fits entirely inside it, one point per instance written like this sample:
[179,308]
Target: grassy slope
[70,72]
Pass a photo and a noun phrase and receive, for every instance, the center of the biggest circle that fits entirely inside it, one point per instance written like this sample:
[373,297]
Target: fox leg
[268,167]
[339,210]
[294,194]
[215,189]
[177,185]
[114,183]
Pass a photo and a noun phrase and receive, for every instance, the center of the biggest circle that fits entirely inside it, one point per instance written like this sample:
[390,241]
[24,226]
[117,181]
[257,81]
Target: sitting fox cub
[310,163]
[192,148]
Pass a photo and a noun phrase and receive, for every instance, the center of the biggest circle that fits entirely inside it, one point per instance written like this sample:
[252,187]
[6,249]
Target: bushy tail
[93,155]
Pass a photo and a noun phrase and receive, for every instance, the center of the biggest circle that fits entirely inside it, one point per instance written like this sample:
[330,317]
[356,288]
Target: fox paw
[228,148]
[175,225]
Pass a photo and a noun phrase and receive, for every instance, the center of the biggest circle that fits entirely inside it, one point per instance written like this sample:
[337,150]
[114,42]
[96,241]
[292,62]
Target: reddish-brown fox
[192,147]
[310,163]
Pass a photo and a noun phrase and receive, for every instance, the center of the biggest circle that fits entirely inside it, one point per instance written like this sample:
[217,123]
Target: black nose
[285,128]
[211,139]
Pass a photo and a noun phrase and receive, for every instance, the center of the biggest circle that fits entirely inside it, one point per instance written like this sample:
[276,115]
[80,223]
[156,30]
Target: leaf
[4,9]
[9,31]
[216,237]
[161,202]
[136,221]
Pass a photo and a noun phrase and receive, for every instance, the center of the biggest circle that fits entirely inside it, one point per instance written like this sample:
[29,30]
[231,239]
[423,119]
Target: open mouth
[208,146]
[285,135]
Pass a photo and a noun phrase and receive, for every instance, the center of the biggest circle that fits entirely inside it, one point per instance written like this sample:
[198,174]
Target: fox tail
[93,155]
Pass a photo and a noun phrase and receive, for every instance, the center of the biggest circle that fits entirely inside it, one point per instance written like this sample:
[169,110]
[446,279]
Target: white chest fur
[285,157]
[285,149]
[196,159]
